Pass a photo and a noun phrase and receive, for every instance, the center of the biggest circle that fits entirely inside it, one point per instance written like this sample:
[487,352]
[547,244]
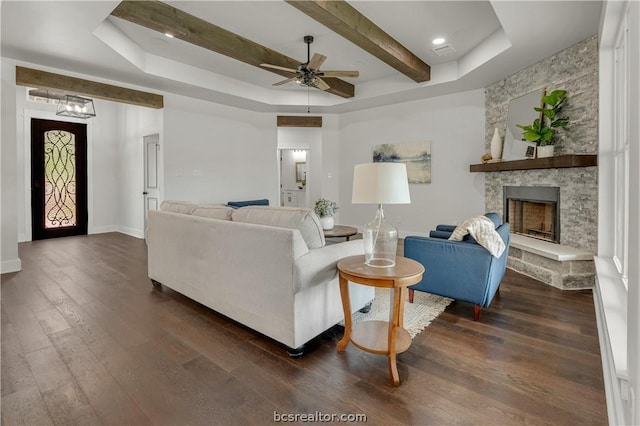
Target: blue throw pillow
[495,218]
[238,204]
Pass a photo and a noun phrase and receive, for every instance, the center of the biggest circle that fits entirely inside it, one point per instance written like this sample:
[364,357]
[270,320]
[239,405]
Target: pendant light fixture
[76,106]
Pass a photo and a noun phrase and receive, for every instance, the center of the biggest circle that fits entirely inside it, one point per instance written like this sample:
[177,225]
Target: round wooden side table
[379,337]
[340,231]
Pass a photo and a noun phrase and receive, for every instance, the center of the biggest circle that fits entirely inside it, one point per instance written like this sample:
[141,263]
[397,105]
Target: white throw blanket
[483,230]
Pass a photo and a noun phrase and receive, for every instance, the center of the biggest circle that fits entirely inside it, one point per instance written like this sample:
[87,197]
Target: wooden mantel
[557,162]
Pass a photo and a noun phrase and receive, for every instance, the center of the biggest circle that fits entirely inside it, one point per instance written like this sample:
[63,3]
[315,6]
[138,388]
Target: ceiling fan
[308,74]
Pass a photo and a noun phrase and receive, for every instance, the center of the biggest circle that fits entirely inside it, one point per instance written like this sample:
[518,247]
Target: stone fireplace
[567,264]
[533,211]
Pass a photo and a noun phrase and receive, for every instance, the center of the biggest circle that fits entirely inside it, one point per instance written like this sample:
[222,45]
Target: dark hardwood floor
[86,339]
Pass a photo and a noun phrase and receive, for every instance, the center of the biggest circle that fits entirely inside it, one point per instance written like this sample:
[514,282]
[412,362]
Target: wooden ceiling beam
[344,19]
[47,80]
[299,121]
[164,18]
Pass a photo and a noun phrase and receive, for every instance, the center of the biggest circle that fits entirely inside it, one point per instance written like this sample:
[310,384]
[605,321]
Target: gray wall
[576,70]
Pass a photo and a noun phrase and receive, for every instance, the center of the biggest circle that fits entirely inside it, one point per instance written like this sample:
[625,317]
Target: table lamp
[380,183]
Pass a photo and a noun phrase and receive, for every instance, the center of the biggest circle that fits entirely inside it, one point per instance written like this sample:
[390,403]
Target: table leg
[395,321]
[346,307]
[403,296]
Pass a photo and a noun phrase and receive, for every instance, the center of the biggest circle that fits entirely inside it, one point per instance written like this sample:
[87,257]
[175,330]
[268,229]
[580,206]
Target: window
[621,154]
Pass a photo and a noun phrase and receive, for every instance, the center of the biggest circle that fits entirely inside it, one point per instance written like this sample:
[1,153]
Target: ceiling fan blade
[339,74]
[315,62]
[277,67]
[321,84]
[285,81]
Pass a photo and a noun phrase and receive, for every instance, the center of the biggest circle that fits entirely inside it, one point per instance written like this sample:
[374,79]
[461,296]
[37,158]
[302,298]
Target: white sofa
[265,267]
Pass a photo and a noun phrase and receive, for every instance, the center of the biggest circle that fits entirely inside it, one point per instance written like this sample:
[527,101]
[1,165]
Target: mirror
[301,171]
[521,112]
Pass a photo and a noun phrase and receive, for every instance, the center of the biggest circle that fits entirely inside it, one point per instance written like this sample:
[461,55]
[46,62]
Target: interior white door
[151,190]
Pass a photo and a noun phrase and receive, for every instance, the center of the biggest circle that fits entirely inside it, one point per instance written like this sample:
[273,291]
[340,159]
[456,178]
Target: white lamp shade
[380,183]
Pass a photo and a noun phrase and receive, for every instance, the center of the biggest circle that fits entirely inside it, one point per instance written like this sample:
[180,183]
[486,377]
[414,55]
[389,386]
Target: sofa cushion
[184,207]
[213,212]
[302,219]
[238,204]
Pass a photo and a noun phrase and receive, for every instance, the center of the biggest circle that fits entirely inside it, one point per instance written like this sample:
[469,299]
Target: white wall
[455,126]
[330,173]
[215,153]
[136,122]
[10,262]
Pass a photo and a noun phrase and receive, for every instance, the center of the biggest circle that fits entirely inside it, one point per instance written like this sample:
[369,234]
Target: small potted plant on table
[325,210]
[543,129]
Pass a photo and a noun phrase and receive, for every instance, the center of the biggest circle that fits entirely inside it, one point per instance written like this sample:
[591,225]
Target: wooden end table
[379,337]
[339,231]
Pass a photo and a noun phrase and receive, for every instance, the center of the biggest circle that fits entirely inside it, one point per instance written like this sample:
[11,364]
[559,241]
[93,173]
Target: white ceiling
[492,39]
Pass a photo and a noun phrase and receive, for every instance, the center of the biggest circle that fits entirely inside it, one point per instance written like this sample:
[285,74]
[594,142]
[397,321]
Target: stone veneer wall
[576,70]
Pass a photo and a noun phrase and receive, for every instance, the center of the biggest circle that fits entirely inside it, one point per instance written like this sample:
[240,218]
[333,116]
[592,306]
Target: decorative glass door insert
[59,179]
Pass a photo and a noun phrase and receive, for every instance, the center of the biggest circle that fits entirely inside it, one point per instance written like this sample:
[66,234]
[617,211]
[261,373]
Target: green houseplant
[325,209]
[543,129]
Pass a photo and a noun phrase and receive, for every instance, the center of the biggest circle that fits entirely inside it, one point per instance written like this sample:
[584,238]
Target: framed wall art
[416,155]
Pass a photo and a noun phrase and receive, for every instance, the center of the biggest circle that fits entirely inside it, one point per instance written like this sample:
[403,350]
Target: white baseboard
[131,231]
[103,229]
[14,265]
[118,228]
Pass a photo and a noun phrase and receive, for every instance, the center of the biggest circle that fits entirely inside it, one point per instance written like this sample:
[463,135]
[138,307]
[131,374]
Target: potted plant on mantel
[543,129]
[325,210]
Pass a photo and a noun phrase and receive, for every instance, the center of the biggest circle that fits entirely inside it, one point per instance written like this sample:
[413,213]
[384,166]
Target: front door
[58,179]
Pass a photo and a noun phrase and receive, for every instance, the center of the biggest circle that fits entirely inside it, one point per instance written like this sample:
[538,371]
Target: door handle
[145,193]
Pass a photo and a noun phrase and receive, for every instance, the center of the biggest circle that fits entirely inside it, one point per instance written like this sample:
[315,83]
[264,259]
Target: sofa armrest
[446,228]
[443,235]
[320,265]
[452,268]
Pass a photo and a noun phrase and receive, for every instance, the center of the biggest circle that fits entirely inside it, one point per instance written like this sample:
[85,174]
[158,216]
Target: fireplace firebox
[533,211]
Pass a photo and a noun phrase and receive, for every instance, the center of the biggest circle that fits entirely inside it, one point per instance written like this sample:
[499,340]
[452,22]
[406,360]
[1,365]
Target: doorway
[58,179]
[294,175]
[151,190]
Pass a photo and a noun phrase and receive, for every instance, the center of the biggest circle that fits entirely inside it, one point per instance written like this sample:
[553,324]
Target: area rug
[417,315]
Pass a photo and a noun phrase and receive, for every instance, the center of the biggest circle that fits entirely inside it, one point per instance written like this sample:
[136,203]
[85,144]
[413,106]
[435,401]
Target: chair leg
[476,312]
[411,292]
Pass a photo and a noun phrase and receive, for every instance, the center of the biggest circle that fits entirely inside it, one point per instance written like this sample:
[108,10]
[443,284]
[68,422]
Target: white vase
[545,151]
[496,145]
[326,222]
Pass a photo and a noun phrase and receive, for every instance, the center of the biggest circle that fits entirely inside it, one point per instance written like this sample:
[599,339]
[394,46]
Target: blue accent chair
[460,270]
